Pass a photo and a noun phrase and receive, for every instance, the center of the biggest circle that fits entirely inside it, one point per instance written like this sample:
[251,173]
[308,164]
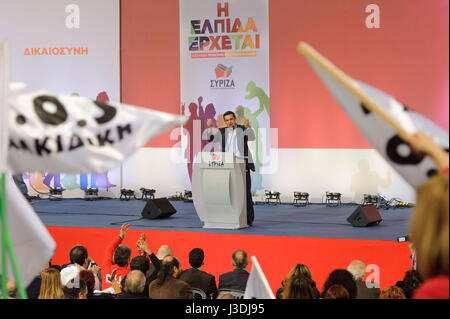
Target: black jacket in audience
[197,278]
[236,280]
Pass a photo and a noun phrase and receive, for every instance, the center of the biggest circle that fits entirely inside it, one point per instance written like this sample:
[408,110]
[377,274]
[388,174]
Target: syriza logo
[215,161]
[222,80]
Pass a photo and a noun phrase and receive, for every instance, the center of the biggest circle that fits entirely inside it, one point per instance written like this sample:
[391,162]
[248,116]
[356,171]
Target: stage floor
[314,221]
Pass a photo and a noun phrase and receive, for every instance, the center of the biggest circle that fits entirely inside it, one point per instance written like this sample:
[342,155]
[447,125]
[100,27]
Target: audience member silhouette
[196,277]
[341,277]
[298,270]
[392,292]
[358,269]
[337,292]
[236,279]
[167,285]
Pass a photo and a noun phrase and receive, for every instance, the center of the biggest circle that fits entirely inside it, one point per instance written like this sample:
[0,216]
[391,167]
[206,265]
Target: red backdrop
[407,57]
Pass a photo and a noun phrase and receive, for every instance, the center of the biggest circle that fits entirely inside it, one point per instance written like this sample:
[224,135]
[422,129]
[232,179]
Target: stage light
[147,193]
[126,194]
[301,199]
[187,196]
[91,194]
[272,197]
[371,199]
[333,199]
[267,197]
[56,193]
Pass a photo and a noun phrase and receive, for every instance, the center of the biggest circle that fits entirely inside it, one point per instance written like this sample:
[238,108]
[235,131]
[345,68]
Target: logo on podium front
[215,161]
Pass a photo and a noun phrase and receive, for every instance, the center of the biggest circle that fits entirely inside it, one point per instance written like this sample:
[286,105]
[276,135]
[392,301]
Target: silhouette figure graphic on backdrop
[194,122]
[220,121]
[102,178]
[36,181]
[255,91]
[367,181]
[208,113]
[242,113]
[56,181]
[70,180]
[257,147]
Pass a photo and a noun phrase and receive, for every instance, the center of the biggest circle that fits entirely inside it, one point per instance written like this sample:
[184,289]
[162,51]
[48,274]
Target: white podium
[218,190]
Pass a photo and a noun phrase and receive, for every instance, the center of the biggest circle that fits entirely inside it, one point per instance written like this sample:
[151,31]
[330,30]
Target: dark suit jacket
[171,289]
[130,296]
[197,278]
[243,134]
[366,293]
[236,279]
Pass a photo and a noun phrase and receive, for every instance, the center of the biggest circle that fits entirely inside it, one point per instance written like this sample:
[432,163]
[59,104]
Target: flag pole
[4,228]
[8,248]
[310,53]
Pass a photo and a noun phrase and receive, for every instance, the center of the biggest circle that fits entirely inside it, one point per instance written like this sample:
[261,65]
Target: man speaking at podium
[234,138]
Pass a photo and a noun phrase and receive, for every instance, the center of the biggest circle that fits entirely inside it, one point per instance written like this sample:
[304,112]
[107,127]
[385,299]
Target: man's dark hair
[140,263]
[341,277]
[228,113]
[411,281]
[122,255]
[78,255]
[167,269]
[72,293]
[196,257]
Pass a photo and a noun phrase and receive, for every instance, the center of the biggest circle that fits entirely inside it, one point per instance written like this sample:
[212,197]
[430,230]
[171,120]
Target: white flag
[33,245]
[257,285]
[71,134]
[413,168]
[4,74]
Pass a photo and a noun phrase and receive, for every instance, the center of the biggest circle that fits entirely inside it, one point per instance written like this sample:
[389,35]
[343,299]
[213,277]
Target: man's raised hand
[123,230]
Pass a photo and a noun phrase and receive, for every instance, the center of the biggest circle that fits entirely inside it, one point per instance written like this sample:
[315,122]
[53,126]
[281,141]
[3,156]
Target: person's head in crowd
[336,292]
[51,287]
[410,282]
[170,267]
[79,292]
[225,295]
[196,257]
[298,287]
[298,270]
[239,259]
[78,255]
[88,277]
[135,282]
[49,265]
[122,255]
[163,251]
[358,269]
[341,277]
[140,263]
[392,292]
[429,227]
[73,287]
[11,287]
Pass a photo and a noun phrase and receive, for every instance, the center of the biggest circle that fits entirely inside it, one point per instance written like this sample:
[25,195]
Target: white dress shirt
[232,142]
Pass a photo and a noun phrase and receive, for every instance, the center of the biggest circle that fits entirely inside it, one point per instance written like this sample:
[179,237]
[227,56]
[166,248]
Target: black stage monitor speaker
[158,208]
[365,215]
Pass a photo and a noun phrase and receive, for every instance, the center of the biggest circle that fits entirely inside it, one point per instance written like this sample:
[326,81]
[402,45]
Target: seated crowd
[160,276]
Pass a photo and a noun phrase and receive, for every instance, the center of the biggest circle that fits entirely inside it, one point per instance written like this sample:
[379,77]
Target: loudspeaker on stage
[365,215]
[158,208]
